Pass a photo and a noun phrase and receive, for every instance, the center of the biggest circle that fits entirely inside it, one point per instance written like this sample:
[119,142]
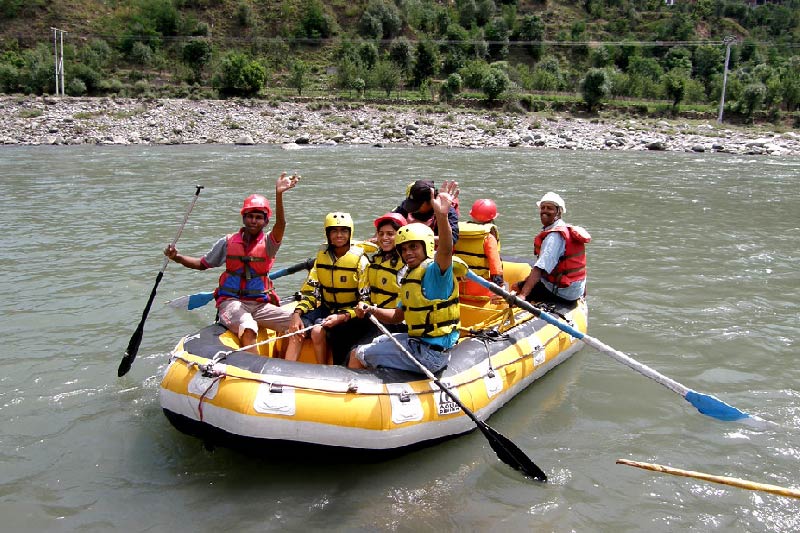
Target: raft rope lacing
[218,375]
[208,369]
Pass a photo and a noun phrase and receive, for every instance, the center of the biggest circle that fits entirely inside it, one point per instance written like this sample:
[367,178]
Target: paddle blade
[136,338]
[510,454]
[714,407]
[131,351]
[191,301]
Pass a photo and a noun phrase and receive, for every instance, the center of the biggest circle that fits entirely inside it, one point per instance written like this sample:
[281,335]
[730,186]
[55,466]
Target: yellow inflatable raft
[226,396]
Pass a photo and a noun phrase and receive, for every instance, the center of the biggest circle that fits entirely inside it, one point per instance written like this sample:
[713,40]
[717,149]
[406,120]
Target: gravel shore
[75,121]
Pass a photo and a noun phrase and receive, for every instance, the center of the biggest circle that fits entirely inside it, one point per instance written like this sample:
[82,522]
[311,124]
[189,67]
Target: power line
[336,40]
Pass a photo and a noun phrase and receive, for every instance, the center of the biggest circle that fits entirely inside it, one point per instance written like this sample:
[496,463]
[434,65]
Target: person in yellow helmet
[245,297]
[428,297]
[335,284]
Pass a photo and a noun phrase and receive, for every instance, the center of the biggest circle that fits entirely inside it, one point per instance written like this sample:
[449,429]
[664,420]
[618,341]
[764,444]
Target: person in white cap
[559,274]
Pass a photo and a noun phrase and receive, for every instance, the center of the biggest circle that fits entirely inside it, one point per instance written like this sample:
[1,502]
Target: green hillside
[520,53]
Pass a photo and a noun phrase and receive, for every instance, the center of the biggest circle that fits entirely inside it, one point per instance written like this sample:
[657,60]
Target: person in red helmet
[245,296]
[385,270]
[479,246]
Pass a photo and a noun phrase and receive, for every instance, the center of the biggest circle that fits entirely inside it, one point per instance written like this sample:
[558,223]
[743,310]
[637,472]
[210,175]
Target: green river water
[693,270]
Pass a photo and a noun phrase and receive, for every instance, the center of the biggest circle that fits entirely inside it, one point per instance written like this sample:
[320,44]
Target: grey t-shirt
[215,257]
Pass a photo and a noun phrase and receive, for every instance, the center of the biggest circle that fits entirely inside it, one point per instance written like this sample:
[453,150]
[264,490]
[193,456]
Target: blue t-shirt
[437,285]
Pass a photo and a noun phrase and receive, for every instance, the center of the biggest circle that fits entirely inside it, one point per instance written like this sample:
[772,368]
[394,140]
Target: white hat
[554,198]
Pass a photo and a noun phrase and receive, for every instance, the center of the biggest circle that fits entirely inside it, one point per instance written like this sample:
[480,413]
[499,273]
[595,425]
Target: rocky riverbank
[75,121]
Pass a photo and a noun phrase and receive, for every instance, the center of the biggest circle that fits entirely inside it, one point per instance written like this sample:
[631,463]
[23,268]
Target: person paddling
[428,297]
[559,274]
[245,297]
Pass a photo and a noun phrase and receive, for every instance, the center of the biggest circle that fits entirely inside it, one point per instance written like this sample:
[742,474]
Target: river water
[693,269]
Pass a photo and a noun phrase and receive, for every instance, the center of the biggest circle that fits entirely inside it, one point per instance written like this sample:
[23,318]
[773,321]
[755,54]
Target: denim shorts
[383,352]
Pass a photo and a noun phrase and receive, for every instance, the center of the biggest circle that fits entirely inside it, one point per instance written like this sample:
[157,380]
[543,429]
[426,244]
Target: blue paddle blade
[714,407]
[199,300]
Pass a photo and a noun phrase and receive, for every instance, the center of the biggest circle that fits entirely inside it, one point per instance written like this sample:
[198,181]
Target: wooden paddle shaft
[734,482]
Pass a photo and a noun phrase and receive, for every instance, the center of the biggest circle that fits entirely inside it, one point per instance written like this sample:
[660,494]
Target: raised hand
[285,182]
[448,193]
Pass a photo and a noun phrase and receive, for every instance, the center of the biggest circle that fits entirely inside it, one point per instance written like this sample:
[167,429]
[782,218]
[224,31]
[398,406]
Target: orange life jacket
[246,275]
[571,266]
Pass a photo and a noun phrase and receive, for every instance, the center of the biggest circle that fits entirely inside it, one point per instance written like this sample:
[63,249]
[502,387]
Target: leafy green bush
[9,78]
[451,87]
[595,87]
[238,75]
[76,87]
[494,84]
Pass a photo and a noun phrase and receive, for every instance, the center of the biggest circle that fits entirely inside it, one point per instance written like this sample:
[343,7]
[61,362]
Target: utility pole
[729,40]
[58,45]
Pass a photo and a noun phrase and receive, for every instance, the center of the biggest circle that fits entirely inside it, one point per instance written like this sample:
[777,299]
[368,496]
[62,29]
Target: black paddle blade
[130,353]
[510,454]
[136,338]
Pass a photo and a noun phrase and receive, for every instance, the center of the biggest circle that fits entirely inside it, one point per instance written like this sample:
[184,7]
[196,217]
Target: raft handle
[274,388]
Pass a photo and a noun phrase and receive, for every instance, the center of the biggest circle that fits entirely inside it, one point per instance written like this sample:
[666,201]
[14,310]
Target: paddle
[506,451]
[199,299]
[136,338]
[725,480]
[705,403]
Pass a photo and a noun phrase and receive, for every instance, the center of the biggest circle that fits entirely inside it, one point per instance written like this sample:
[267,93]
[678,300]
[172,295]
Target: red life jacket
[571,266]
[246,275]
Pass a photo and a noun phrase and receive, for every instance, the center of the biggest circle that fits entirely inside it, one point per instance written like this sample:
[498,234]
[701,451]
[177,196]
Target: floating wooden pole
[735,482]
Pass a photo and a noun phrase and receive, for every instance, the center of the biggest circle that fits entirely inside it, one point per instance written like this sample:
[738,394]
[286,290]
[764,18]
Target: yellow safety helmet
[338,220]
[416,232]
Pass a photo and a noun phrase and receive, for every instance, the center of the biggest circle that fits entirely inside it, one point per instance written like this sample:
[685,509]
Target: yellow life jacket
[469,246]
[334,282]
[384,288]
[430,318]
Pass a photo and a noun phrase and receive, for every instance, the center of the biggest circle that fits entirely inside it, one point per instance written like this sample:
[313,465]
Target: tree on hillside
[196,54]
[532,29]
[315,21]
[497,34]
[451,87]
[298,76]
[495,83]
[426,61]
[381,20]
[238,75]
[387,76]
[675,82]
[595,87]
[401,53]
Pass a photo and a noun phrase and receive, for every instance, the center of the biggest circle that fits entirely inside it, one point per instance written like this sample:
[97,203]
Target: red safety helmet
[483,210]
[395,219]
[256,202]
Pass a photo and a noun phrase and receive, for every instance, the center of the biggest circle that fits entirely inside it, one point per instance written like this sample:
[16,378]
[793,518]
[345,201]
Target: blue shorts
[383,352]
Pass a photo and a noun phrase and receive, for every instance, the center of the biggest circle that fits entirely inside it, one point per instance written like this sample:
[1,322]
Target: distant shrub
[76,87]
[238,75]
[595,87]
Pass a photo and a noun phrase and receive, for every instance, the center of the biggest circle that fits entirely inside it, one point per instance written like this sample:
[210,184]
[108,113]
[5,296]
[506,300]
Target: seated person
[384,272]
[245,297]
[417,207]
[428,298]
[559,274]
[335,284]
[478,246]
